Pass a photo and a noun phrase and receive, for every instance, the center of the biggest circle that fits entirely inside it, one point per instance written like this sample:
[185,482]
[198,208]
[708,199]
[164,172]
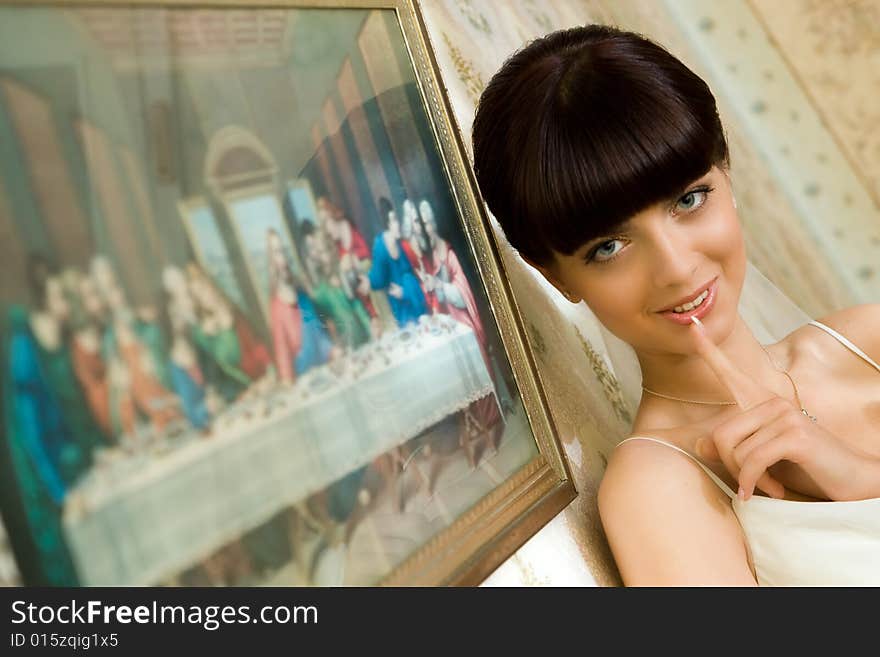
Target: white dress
[795,543]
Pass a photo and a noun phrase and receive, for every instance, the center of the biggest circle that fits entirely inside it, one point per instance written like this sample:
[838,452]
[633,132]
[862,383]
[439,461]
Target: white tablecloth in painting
[151,516]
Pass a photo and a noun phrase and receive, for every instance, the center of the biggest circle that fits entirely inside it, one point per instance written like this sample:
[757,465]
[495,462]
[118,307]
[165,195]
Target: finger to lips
[748,396]
[745,392]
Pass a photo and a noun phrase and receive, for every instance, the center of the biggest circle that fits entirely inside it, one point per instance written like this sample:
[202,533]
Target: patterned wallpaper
[794,82]
[833,50]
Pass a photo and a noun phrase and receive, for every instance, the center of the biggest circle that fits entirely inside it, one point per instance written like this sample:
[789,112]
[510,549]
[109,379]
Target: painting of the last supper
[244,338]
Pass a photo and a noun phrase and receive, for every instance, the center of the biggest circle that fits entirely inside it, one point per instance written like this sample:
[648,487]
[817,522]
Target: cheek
[726,246]
[619,307]
[723,238]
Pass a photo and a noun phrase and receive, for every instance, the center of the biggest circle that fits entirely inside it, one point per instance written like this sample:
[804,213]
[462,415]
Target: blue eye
[693,199]
[602,254]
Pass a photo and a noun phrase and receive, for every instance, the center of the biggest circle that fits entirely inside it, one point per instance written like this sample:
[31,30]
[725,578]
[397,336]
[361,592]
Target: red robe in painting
[91,372]
[255,358]
[448,269]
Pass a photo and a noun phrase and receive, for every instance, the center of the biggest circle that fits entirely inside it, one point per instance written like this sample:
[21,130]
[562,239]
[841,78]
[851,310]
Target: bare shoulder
[860,324]
[667,523]
[647,473]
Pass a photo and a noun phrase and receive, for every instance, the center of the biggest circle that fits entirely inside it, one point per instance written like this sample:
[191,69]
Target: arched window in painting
[242,174]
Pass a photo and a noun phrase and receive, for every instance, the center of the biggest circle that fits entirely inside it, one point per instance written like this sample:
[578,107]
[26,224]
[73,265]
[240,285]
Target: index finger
[745,391]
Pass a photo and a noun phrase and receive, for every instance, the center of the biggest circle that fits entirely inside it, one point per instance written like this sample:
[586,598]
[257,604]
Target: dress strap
[714,477]
[846,343]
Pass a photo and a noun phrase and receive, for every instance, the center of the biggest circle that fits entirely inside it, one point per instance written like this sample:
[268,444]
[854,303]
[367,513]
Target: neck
[689,377]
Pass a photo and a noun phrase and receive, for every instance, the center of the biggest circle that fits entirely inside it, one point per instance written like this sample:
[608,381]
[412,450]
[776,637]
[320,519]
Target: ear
[547,272]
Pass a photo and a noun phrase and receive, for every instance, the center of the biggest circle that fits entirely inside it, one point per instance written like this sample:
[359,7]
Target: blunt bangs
[585,128]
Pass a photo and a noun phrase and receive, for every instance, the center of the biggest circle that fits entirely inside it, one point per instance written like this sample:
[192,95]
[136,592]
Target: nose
[675,261]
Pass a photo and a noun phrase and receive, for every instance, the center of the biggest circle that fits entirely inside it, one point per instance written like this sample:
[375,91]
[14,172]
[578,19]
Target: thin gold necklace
[733,403]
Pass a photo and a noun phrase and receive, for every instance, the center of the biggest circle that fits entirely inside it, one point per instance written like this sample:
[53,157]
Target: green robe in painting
[349,316]
[222,361]
[84,431]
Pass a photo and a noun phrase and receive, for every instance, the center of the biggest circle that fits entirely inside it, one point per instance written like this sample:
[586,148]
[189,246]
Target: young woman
[747,464]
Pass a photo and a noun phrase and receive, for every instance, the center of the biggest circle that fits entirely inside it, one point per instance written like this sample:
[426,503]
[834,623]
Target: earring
[734,201]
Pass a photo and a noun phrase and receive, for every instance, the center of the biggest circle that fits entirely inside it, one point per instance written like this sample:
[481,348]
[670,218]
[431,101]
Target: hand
[771,429]
[395,291]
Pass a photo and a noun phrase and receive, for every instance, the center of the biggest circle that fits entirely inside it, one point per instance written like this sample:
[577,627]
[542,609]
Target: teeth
[692,304]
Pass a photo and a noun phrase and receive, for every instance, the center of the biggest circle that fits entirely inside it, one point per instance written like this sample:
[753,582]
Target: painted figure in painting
[135,388]
[391,270]
[418,252]
[184,369]
[88,320]
[50,328]
[301,341]
[354,260]
[48,432]
[350,320]
[234,358]
[455,297]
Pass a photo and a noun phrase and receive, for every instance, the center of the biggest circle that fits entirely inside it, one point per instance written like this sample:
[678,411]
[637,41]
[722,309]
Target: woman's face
[660,255]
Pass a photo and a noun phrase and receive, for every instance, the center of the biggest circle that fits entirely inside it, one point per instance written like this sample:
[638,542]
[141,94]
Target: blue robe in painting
[316,342]
[37,446]
[192,396]
[386,270]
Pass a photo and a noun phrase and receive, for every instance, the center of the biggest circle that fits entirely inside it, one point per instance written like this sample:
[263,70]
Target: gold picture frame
[383,129]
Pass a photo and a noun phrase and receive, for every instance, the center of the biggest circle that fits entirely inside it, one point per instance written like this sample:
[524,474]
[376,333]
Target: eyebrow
[628,223]
[625,225]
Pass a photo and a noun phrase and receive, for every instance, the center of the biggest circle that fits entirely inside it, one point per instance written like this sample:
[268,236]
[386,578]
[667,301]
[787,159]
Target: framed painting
[255,326]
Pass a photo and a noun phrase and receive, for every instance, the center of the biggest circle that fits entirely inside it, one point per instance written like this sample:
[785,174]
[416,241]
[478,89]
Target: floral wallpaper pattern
[833,49]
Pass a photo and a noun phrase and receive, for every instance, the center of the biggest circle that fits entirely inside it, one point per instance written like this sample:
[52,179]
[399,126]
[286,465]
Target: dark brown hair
[582,129]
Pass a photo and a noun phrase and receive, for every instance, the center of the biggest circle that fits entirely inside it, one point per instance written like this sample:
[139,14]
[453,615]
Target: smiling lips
[689,299]
[697,305]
